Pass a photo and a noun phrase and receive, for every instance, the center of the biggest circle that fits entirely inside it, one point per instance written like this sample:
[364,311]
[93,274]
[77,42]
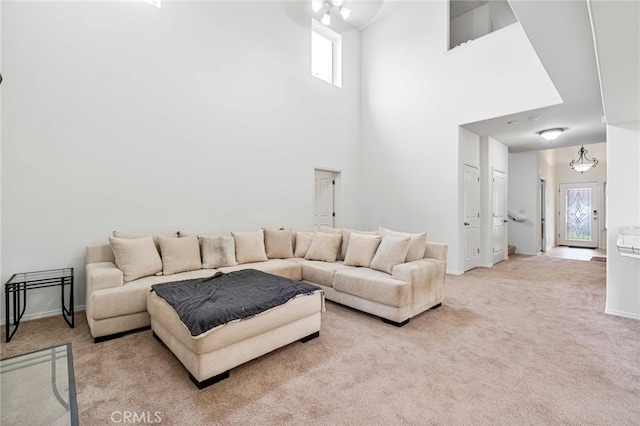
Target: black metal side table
[15,290]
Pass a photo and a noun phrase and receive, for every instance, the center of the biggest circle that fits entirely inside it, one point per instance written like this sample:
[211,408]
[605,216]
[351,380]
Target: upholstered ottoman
[210,355]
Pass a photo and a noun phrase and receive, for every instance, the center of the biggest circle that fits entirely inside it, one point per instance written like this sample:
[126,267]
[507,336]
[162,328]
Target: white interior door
[499,240]
[324,198]
[578,224]
[471,217]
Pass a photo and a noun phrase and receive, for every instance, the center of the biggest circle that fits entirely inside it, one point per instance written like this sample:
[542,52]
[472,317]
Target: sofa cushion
[131,298]
[303,242]
[417,245]
[346,237]
[361,249]
[281,267]
[373,285]
[322,273]
[324,246]
[136,257]
[278,243]
[250,246]
[217,251]
[179,254]
[391,252]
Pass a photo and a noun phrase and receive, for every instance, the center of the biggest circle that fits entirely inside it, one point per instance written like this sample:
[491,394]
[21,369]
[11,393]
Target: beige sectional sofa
[392,275]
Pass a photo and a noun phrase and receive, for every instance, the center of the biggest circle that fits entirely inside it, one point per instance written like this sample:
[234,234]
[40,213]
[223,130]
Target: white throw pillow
[361,249]
[131,235]
[179,254]
[136,257]
[303,242]
[391,252]
[217,251]
[324,247]
[417,245]
[250,246]
[346,236]
[278,243]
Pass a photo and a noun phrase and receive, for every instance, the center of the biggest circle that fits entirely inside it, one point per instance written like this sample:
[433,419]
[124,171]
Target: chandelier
[330,7]
[583,163]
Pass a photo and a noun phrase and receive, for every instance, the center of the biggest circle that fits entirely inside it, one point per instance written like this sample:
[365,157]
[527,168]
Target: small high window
[326,54]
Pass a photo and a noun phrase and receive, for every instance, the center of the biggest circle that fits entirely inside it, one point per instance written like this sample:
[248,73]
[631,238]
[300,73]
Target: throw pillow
[361,249]
[417,245]
[250,246]
[217,251]
[330,230]
[179,254]
[391,252]
[324,246]
[303,242]
[136,257]
[278,243]
[346,236]
[131,235]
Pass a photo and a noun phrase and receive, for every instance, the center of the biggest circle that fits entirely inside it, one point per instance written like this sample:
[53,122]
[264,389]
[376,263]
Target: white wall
[623,273]
[414,96]
[523,200]
[493,156]
[199,116]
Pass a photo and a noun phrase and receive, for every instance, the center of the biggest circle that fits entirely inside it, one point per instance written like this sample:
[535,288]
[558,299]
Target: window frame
[336,51]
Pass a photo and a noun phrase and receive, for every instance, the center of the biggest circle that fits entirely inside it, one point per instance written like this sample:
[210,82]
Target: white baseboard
[39,315]
[453,272]
[622,314]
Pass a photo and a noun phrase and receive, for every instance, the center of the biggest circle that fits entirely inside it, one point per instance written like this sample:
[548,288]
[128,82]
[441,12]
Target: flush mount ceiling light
[551,134]
[583,163]
[330,8]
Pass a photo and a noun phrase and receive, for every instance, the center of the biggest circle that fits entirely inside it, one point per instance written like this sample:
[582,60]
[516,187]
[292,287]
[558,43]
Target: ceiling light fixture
[330,8]
[583,163]
[551,134]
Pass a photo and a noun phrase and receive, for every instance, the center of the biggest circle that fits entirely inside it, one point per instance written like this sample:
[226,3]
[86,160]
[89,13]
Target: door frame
[473,261]
[505,192]
[543,215]
[595,222]
[337,193]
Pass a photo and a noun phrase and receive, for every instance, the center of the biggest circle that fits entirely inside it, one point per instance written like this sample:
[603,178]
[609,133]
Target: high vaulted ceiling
[560,32]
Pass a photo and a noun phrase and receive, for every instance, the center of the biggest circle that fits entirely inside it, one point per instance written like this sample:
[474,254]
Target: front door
[471,217]
[578,215]
[323,205]
[499,240]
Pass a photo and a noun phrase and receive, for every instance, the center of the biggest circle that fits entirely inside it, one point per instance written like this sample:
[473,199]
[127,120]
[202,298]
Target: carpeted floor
[524,342]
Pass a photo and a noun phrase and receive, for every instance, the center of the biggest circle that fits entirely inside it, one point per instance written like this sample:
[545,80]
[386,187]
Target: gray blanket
[205,303]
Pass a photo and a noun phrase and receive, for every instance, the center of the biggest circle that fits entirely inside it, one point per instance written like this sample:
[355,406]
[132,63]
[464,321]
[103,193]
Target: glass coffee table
[38,388]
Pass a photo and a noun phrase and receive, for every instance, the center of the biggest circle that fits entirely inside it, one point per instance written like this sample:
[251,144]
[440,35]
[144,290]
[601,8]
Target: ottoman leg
[210,381]
[310,337]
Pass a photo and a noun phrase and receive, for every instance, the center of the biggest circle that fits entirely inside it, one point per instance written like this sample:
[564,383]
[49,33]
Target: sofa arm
[426,277]
[436,251]
[101,275]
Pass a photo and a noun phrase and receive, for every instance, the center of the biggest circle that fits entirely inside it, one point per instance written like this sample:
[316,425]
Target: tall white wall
[414,96]
[623,273]
[199,116]
[523,200]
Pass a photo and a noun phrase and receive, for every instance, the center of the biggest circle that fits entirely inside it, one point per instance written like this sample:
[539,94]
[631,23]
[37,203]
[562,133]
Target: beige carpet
[524,342]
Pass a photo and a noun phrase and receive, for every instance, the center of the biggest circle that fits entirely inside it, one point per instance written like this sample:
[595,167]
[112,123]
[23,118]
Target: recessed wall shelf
[629,241]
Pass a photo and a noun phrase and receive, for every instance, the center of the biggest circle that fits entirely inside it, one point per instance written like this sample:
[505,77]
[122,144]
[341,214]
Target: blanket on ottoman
[205,303]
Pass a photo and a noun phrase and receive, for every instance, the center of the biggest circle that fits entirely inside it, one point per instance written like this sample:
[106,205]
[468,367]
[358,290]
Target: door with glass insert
[578,222]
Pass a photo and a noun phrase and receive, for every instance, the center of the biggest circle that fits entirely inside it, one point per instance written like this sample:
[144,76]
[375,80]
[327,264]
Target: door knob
[505,221]
[466,224]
